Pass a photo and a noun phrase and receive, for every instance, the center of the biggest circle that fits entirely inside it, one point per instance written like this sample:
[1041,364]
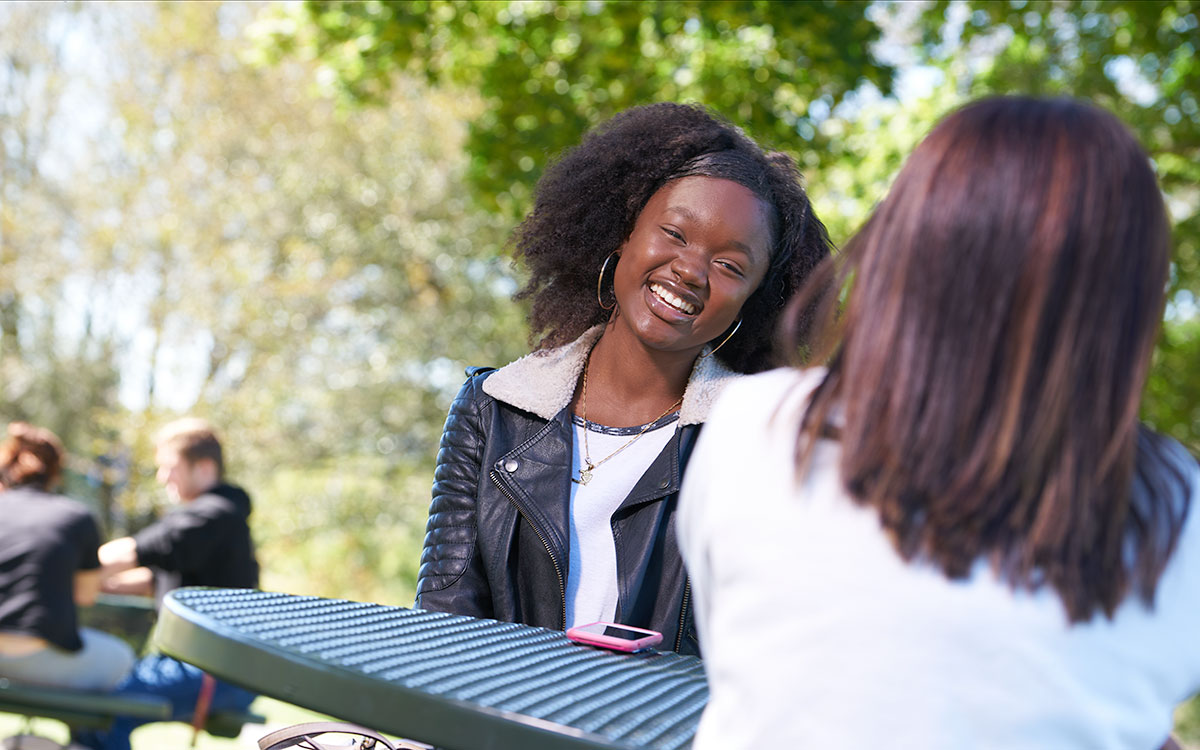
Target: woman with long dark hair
[662,251]
[975,543]
[48,566]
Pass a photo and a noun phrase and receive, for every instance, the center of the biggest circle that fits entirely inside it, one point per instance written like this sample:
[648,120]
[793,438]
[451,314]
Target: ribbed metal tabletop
[456,682]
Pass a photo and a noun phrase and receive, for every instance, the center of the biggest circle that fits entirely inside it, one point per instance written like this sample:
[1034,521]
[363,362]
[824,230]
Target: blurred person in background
[974,543]
[48,567]
[203,540]
[662,251]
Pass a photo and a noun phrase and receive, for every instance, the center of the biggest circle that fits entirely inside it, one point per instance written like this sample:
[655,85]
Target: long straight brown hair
[984,376]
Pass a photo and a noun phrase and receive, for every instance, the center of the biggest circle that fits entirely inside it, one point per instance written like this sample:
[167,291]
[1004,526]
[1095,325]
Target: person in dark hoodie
[204,540]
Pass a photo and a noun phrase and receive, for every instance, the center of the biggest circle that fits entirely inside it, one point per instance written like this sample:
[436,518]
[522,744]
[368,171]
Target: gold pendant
[585,475]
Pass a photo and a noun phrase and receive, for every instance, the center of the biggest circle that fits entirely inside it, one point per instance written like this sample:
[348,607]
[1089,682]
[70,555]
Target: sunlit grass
[171,735]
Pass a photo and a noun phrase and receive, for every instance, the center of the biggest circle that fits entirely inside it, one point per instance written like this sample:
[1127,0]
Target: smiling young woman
[661,253]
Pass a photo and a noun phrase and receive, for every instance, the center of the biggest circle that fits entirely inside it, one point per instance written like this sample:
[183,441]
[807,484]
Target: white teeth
[672,300]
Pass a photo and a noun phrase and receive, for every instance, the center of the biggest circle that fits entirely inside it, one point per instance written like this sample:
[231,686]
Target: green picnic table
[456,682]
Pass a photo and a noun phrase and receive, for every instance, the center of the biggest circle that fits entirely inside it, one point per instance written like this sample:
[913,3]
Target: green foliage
[1187,724]
[547,71]
[351,528]
[57,360]
[313,281]
[373,279]
[1172,401]
[328,278]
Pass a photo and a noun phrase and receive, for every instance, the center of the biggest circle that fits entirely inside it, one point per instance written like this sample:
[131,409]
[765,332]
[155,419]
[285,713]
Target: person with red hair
[49,566]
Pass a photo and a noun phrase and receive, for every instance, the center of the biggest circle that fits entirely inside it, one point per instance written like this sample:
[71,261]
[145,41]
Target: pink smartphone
[614,636]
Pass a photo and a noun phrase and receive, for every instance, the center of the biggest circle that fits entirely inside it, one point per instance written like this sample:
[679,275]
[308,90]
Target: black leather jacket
[497,541]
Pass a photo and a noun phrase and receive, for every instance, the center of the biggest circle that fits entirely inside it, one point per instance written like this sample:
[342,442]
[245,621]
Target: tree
[226,244]
[320,276]
[57,354]
[547,71]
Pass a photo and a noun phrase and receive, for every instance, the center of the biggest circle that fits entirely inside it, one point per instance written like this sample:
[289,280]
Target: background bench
[131,618]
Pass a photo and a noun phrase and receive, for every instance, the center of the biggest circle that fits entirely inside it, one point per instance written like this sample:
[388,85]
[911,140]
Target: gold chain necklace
[585,474]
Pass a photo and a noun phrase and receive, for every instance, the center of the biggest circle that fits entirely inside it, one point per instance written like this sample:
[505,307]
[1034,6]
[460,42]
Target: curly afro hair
[586,204]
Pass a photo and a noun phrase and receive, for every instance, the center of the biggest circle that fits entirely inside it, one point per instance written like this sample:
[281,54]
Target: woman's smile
[674,301]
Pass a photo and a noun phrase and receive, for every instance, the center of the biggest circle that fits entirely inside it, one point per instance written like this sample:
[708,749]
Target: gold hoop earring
[600,282]
[718,346]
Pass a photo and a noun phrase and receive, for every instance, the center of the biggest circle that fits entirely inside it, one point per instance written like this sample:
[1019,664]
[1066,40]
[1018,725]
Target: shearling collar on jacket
[544,382]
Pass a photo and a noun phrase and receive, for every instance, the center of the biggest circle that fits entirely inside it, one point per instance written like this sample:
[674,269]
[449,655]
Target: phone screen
[614,631]
[629,635]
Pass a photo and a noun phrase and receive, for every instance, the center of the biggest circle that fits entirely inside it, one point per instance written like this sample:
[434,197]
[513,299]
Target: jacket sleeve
[452,576]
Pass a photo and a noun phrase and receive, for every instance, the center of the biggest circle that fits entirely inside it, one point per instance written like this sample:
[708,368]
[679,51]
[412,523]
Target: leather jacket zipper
[562,588]
[687,592]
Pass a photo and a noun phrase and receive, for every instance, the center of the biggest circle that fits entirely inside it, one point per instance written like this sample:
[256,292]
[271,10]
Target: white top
[593,597]
[816,634]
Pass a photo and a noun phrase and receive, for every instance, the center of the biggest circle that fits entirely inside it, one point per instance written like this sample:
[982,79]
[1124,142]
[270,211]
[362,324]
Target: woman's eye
[730,267]
[672,233]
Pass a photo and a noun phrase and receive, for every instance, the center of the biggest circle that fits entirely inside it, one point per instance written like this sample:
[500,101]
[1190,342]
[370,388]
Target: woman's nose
[690,268]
